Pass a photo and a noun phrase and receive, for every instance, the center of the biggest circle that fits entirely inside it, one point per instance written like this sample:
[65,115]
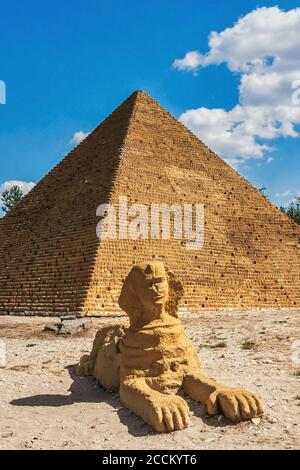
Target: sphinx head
[145,292]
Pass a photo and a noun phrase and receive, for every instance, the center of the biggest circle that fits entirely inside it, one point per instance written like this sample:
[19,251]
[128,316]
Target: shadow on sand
[87,390]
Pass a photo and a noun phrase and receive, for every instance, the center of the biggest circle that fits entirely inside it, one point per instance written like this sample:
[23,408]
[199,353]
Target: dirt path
[44,406]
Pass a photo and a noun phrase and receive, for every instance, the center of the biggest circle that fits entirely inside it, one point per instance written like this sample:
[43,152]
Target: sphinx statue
[151,361]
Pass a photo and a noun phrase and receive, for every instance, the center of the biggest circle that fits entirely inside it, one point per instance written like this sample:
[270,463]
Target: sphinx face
[151,286]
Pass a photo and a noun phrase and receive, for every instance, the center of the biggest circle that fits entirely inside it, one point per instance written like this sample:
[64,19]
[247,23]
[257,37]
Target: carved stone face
[151,285]
[145,292]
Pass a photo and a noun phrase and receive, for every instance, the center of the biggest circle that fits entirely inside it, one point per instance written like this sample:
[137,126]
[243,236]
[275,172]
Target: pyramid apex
[140,93]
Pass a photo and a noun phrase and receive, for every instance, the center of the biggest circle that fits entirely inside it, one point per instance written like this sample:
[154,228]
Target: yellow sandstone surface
[151,360]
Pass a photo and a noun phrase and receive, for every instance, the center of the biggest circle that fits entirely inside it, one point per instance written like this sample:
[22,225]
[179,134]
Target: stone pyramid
[52,262]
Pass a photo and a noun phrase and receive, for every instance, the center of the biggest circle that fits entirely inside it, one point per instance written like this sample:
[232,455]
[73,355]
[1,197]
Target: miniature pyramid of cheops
[53,262]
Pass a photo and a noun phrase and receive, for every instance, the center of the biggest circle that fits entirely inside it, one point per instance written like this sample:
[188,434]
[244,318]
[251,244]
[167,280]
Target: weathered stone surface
[71,327]
[66,327]
[52,261]
[53,328]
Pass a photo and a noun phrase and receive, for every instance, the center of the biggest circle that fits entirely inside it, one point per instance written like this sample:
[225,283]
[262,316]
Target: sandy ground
[43,405]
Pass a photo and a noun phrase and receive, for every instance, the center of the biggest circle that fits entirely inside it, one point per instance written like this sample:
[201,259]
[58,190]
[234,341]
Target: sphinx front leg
[236,404]
[107,335]
[164,413]
[85,366]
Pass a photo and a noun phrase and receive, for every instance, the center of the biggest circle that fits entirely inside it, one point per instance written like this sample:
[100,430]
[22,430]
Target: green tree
[293,210]
[10,197]
[262,191]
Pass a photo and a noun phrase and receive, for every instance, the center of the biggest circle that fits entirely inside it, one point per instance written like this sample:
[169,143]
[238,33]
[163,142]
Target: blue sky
[66,65]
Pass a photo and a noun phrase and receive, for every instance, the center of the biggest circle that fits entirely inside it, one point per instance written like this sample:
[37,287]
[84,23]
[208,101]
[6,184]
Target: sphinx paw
[236,404]
[169,413]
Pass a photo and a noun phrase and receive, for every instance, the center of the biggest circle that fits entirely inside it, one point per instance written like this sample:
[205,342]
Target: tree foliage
[10,197]
[262,191]
[293,210]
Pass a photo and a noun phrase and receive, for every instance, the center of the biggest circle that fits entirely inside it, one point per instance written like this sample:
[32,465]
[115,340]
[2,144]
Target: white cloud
[262,40]
[25,186]
[263,48]
[78,137]
[269,160]
[286,193]
[191,61]
[231,134]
